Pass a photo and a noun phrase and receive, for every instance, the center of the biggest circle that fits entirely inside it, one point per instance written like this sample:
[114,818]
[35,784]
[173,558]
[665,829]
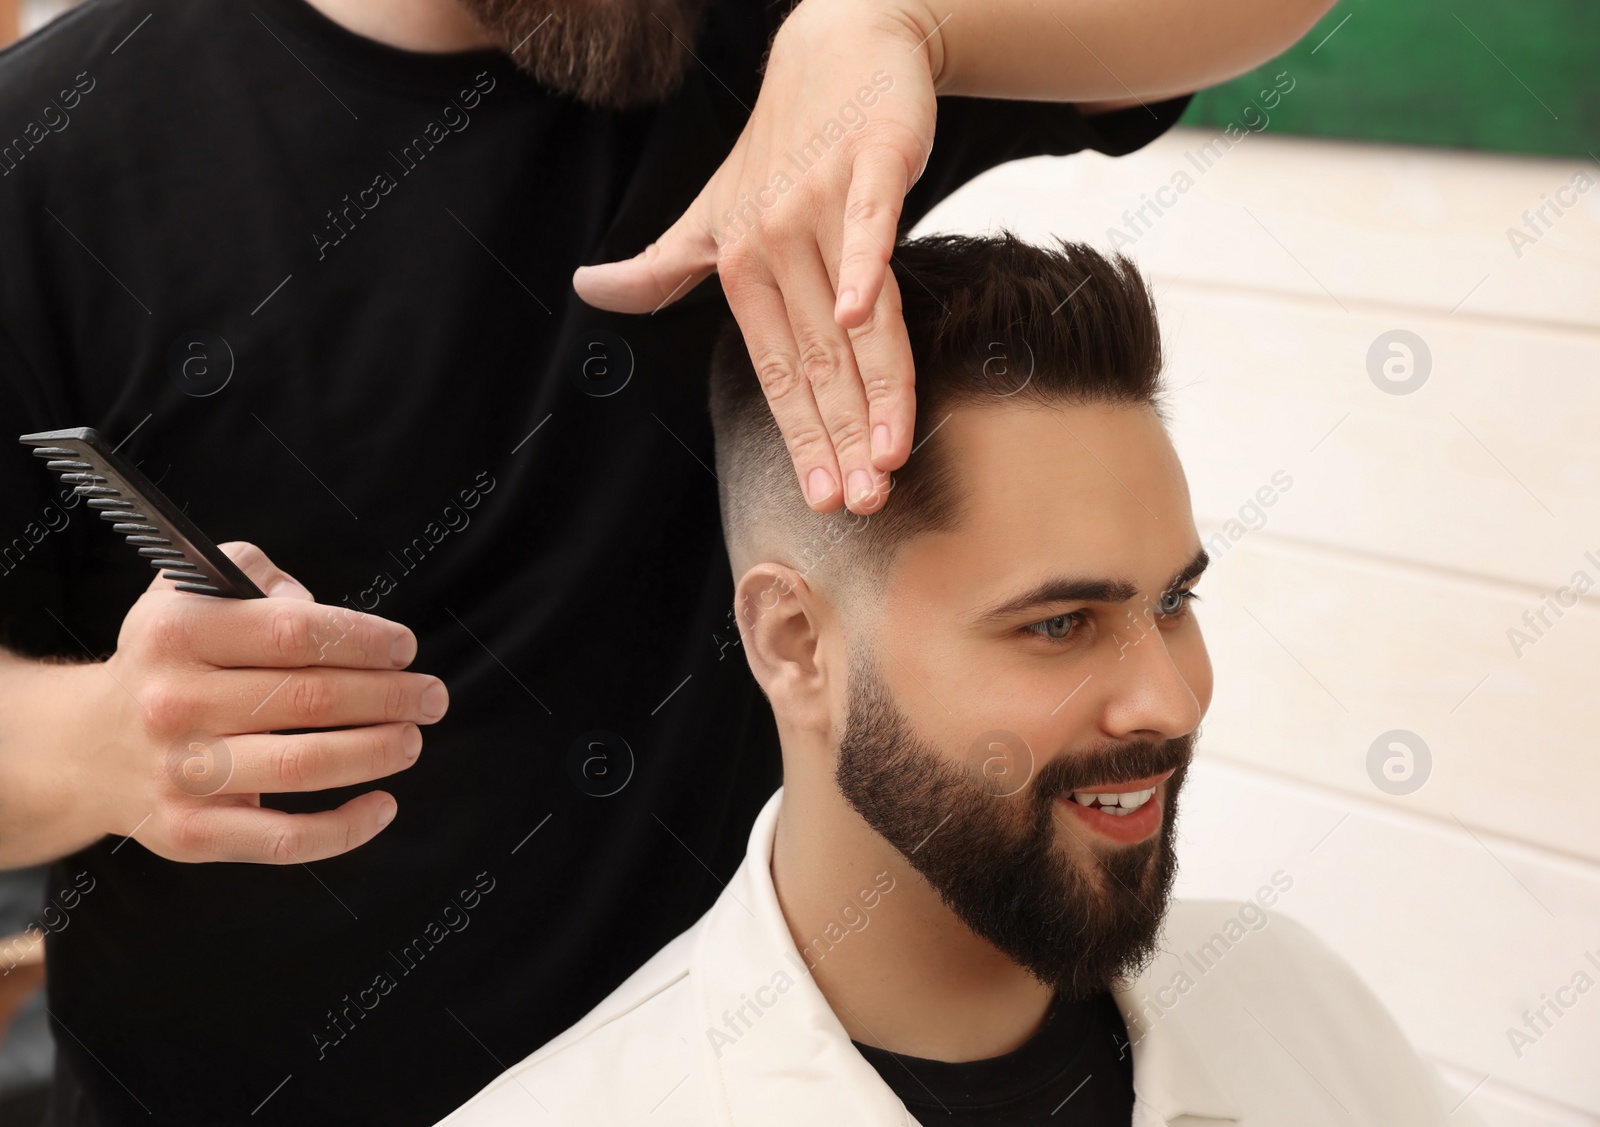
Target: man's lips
[1127,824]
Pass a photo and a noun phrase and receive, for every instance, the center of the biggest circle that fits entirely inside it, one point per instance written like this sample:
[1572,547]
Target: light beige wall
[1376,592]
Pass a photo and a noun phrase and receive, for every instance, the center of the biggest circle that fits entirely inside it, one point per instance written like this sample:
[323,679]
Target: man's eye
[1174,603]
[1058,629]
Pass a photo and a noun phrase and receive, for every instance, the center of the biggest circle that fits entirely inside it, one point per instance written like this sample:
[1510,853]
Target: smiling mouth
[1121,799]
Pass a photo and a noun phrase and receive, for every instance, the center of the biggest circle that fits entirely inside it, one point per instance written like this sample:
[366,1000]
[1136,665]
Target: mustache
[1110,762]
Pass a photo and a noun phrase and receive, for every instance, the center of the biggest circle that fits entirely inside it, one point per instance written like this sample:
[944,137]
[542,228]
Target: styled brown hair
[992,321]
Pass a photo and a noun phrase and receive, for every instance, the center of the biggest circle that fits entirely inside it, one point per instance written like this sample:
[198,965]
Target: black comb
[140,511]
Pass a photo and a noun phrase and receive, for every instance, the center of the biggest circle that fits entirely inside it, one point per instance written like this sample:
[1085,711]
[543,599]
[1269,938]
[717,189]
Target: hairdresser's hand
[799,223]
[173,743]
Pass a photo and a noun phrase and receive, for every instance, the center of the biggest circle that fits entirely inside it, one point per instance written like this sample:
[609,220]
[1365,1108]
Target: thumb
[265,574]
[664,271]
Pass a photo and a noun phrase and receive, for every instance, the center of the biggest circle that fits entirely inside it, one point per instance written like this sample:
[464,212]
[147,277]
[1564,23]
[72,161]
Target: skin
[917,980]
[413,25]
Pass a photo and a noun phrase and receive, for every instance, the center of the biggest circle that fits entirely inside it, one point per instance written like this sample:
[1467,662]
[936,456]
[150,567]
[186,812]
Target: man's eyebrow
[1066,589]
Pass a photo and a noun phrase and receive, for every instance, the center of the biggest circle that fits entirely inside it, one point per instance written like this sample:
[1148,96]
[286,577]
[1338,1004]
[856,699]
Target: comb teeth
[157,530]
[146,538]
[79,474]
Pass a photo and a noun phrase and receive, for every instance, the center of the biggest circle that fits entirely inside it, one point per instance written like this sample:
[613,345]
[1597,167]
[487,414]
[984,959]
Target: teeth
[1118,805]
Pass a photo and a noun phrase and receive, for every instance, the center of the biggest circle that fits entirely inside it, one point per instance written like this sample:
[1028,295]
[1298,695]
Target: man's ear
[779,625]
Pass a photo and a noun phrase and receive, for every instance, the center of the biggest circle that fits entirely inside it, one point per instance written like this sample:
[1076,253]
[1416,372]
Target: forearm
[1098,50]
[43,814]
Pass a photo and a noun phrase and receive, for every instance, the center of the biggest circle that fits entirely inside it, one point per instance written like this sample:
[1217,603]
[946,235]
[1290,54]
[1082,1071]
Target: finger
[677,262]
[883,357]
[218,831]
[878,186]
[828,360]
[281,633]
[233,701]
[279,764]
[263,572]
[763,319]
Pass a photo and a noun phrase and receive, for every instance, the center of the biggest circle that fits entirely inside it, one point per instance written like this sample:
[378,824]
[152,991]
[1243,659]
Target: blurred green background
[1481,74]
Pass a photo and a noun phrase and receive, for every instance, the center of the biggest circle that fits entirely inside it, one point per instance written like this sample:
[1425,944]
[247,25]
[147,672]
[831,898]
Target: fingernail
[880,440]
[819,484]
[860,485]
[435,699]
[403,650]
[411,742]
[386,815]
[847,298]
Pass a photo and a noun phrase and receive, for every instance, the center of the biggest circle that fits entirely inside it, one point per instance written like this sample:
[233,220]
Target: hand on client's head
[798,223]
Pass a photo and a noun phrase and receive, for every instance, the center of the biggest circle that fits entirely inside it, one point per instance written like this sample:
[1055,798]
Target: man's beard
[992,856]
[616,54]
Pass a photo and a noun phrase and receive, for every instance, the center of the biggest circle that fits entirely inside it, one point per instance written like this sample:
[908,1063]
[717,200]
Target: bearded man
[956,908]
[317,266]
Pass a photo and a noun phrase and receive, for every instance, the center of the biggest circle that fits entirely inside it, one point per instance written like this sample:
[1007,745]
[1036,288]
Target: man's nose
[1148,695]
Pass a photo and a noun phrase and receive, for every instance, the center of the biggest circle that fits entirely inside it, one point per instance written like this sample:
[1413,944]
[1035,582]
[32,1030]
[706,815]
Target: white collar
[774,1053]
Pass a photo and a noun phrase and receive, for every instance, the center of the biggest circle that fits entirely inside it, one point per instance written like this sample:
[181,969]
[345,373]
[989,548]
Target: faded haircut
[993,321]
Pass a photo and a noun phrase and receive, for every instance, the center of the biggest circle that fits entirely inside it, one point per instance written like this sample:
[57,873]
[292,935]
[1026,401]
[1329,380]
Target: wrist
[911,22]
[51,718]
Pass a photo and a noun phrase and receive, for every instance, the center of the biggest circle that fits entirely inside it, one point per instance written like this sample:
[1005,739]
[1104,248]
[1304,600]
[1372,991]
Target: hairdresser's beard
[614,54]
[994,860]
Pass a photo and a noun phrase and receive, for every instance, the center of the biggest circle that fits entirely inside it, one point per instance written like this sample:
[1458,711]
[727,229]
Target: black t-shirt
[1075,1070]
[319,289]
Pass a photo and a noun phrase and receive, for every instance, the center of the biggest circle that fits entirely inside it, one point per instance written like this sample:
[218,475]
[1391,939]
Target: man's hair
[993,321]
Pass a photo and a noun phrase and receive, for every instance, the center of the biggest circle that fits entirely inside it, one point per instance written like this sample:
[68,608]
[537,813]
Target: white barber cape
[724,1027]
